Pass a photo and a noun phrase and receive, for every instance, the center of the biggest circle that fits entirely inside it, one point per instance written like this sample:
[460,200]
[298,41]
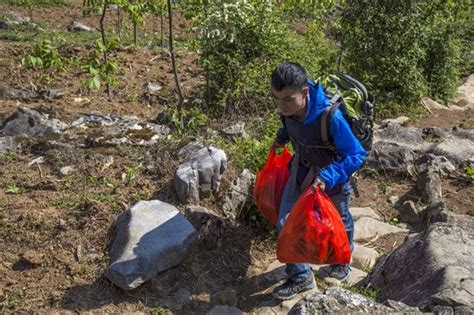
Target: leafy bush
[100,70]
[404,50]
[446,28]
[383,50]
[45,56]
[242,41]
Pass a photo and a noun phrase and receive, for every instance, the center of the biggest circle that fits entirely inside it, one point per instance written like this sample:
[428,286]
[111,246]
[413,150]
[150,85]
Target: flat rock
[16,94]
[28,122]
[151,237]
[115,130]
[439,164]
[430,269]
[457,150]
[392,158]
[364,257]
[407,137]
[402,120]
[367,228]
[359,212]
[337,300]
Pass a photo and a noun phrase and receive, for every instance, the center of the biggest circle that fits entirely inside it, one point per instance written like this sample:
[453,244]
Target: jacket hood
[316,100]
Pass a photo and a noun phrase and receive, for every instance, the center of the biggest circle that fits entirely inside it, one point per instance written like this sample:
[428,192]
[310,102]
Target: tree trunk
[173,60]
[161,26]
[104,42]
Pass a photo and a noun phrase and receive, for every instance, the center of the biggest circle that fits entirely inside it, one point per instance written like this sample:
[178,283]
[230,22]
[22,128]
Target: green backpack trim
[356,105]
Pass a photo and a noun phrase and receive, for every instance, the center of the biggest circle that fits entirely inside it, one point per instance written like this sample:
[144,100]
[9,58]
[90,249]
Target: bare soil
[55,230]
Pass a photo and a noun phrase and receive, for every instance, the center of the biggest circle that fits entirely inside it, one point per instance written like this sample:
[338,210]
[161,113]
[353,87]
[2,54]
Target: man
[302,104]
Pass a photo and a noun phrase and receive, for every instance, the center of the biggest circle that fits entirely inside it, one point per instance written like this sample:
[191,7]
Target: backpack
[355,103]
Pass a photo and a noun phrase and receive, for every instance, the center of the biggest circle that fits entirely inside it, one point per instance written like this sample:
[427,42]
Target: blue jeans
[299,272]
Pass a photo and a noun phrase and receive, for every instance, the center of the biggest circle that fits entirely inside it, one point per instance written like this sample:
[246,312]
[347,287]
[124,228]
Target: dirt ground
[55,230]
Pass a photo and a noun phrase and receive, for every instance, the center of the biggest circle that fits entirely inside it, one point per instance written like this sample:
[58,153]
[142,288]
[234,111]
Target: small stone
[359,212]
[393,200]
[33,257]
[66,170]
[152,88]
[236,130]
[39,160]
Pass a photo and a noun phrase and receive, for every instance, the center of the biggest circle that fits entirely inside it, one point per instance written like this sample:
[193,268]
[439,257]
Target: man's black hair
[289,75]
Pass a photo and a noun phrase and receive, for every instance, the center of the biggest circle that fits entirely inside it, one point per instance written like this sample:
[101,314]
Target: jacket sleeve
[351,154]
[282,136]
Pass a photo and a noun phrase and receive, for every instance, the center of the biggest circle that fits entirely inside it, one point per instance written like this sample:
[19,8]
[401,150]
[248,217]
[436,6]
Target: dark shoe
[289,289]
[340,272]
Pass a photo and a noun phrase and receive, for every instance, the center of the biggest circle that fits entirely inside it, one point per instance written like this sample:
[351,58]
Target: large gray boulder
[114,130]
[28,122]
[429,186]
[439,164]
[407,137]
[336,300]
[392,158]
[151,237]
[239,194]
[191,149]
[433,268]
[455,149]
[200,175]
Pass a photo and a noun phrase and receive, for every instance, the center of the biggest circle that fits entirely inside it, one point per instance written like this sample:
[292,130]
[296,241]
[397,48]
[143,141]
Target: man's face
[290,101]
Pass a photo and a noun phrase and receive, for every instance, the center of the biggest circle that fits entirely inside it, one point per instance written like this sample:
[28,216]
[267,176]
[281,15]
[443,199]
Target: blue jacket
[350,154]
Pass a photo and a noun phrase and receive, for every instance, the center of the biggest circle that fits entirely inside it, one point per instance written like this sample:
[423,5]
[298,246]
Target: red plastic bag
[270,183]
[313,232]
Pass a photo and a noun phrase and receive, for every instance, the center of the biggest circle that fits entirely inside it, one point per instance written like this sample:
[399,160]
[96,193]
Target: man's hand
[318,183]
[276,145]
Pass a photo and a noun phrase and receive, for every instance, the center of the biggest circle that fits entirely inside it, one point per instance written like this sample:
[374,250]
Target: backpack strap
[326,117]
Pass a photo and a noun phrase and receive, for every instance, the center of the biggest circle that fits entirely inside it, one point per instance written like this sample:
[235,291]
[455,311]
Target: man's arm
[351,154]
[282,138]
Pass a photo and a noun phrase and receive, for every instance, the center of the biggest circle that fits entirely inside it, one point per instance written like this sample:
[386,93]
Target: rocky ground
[72,163]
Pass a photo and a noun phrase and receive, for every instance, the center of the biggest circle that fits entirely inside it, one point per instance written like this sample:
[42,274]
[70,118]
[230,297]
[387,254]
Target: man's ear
[305,91]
